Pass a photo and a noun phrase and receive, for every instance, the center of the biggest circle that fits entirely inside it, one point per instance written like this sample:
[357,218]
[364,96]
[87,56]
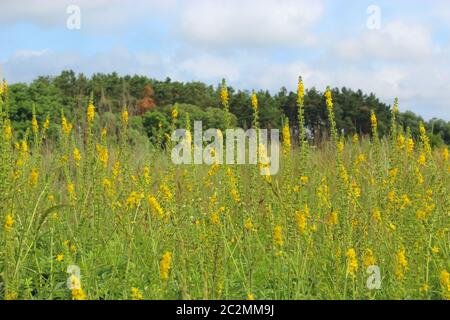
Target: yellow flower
[286,136]
[333,218]
[76,156]
[445,154]
[147,176]
[300,218]
[102,154]
[136,294]
[34,125]
[77,291]
[215,218]
[46,124]
[165,265]
[71,190]
[9,221]
[155,206]
[352,262]
[224,94]
[250,296]
[445,280]
[60,257]
[134,199]
[355,138]
[401,141]
[174,113]
[34,177]
[248,225]
[410,146]
[278,235]
[402,264]
[304,180]
[125,117]
[90,112]
[254,101]
[435,250]
[422,159]
[373,120]
[329,99]
[376,215]
[66,126]
[300,92]
[8,131]
[368,258]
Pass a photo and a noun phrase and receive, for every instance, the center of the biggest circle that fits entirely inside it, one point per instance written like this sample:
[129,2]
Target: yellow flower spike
[329,99]
[286,135]
[300,92]
[300,218]
[7,131]
[373,120]
[77,156]
[136,294]
[9,222]
[254,101]
[402,264]
[155,206]
[125,116]
[34,177]
[278,235]
[34,125]
[90,112]
[369,258]
[352,262]
[224,94]
[165,265]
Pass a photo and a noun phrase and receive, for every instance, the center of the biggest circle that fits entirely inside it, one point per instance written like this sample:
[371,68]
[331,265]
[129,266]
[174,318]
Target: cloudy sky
[253,43]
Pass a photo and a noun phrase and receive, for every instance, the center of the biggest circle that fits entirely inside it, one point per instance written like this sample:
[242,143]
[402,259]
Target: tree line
[150,102]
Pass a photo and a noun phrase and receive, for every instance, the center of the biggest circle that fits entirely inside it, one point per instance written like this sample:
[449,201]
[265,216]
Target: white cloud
[249,23]
[395,41]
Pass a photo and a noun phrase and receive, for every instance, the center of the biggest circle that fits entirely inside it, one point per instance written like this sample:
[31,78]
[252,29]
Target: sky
[393,48]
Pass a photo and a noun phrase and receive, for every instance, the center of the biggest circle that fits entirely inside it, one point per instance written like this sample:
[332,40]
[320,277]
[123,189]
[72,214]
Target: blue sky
[253,43]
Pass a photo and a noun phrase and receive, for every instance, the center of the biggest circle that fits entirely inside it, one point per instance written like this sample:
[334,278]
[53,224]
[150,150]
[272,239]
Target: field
[90,216]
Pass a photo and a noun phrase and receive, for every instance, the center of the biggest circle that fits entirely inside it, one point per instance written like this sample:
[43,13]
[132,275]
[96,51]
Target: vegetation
[90,210]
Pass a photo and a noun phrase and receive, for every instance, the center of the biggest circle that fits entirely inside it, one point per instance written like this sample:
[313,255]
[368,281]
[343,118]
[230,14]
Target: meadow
[90,216]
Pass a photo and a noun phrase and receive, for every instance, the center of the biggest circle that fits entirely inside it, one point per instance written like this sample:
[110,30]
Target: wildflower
[250,296]
[34,125]
[410,146]
[60,257]
[147,176]
[215,218]
[155,206]
[34,177]
[422,159]
[445,280]
[333,218]
[352,262]
[174,113]
[329,99]
[46,124]
[73,248]
[300,92]
[300,218]
[402,264]
[373,120]
[165,265]
[166,191]
[133,200]
[445,154]
[248,225]
[278,235]
[435,250]
[254,101]
[71,190]
[66,126]
[235,195]
[376,215]
[77,291]
[8,131]
[355,138]
[77,156]
[224,93]
[286,136]
[116,169]
[104,133]
[368,258]
[401,141]
[102,154]
[9,221]
[304,180]
[90,112]
[136,294]
[125,116]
